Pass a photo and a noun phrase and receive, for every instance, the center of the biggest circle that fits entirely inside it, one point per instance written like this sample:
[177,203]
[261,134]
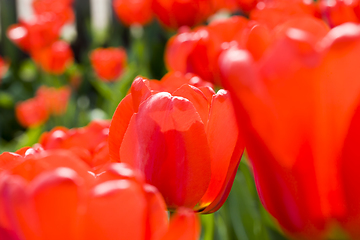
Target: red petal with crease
[197,98]
[166,140]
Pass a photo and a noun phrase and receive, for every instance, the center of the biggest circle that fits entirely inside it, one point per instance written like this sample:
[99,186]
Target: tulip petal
[157,219]
[9,160]
[225,146]
[57,199]
[119,124]
[197,98]
[50,160]
[166,140]
[184,225]
[16,212]
[116,210]
[140,91]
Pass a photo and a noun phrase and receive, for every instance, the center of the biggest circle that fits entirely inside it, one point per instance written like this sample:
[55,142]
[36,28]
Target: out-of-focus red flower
[56,100]
[36,34]
[61,8]
[55,58]
[298,110]
[177,13]
[337,12]
[89,143]
[186,142]
[133,11]
[31,112]
[108,63]
[197,52]
[271,13]
[53,195]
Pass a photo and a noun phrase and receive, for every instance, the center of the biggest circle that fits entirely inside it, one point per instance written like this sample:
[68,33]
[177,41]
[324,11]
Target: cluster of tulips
[40,36]
[171,143]
[291,99]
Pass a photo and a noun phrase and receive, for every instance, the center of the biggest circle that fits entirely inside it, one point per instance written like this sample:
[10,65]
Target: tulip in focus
[53,195]
[108,63]
[133,11]
[184,141]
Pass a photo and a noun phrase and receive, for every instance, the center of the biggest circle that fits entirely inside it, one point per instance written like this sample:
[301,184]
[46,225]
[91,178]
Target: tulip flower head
[54,58]
[133,11]
[299,110]
[52,195]
[89,142]
[32,112]
[61,8]
[108,63]
[35,34]
[48,101]
[177,13]
[185,142]
[55,99]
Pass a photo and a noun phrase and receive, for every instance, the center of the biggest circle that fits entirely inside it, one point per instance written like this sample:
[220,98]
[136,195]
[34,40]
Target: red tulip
[51,195]
[177,13]
[186,142]
[55,58]
[298,111]
[55,99]
[197,51]
[133,12]
[89,143]
[35,34]
[61,8]
[108,63]
[271,13]
[338,11]
[31,112]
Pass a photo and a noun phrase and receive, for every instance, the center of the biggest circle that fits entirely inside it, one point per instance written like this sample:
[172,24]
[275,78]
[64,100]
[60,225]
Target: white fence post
[100,13]
[24,10]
